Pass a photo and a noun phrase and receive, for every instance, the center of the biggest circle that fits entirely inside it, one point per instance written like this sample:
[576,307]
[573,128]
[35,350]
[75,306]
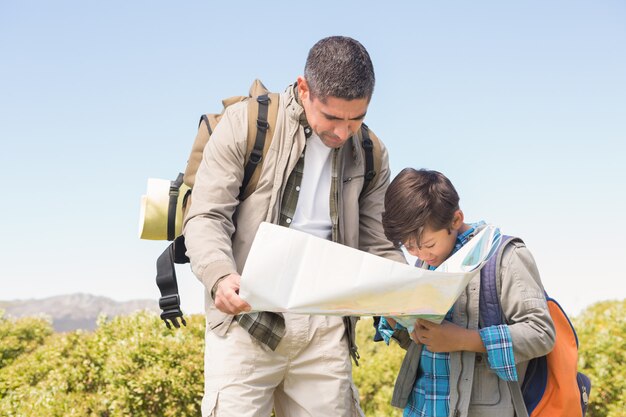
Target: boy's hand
[446,337]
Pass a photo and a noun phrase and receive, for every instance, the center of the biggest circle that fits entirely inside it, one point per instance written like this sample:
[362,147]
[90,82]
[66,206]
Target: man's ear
[303,88]
[457,220]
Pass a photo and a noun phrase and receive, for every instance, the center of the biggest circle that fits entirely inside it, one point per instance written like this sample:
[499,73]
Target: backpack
[262,115]
[552,385]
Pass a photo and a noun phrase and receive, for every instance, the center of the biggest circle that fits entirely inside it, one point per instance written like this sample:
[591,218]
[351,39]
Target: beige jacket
[475,390]
[219,230]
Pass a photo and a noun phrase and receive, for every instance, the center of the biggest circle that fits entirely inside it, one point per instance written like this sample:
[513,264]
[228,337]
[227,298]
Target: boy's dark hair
[416,199]
[339,67]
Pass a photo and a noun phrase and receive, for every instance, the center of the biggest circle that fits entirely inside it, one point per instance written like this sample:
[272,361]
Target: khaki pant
[309,374]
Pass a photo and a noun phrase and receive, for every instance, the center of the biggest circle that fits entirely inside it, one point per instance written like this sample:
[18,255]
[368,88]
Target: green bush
[151,370]
[21,336]
[135,366]
[130,366]
[376,375]
[601,330]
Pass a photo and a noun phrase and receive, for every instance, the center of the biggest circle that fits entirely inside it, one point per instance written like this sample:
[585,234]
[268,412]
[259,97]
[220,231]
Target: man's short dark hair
[417,199]
[339,67]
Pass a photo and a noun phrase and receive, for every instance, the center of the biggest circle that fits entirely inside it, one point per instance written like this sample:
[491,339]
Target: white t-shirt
[313,209]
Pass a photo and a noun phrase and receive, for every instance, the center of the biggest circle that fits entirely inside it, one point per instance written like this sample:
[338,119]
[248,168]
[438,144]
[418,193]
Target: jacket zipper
[348,179]
[458,382]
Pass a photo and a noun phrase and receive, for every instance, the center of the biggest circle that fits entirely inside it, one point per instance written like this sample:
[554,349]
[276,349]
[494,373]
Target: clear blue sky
[521,104]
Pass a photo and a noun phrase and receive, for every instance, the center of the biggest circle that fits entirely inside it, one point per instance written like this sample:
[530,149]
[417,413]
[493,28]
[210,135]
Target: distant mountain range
[75,311]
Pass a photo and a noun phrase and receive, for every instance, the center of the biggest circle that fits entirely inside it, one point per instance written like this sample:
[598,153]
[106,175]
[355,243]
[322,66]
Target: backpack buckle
[255,157]
[262,125]
[263,99]
[170,304]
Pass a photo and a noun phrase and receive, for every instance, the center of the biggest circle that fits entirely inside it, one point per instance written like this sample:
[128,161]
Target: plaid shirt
[267,327]
[430,396]
[431,392]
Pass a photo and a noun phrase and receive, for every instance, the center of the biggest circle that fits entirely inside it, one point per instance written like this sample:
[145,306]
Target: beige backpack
[166,202]
[162,217]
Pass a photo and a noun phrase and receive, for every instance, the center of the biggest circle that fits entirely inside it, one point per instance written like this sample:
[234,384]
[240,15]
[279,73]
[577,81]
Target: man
[298,364]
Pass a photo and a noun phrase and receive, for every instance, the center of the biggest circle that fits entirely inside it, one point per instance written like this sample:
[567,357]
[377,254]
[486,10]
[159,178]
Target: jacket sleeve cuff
[214,272]
[214,288]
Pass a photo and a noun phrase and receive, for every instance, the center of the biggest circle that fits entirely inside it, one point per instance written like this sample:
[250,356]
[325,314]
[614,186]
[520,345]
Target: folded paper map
[291,271]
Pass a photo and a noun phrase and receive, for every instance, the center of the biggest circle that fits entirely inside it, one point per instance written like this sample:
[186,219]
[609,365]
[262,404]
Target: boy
[457,368]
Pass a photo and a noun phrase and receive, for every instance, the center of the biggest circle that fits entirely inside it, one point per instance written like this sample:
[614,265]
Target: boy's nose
[423,255]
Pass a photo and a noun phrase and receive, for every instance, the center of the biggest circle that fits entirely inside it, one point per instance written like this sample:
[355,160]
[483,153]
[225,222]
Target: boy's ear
[457,220]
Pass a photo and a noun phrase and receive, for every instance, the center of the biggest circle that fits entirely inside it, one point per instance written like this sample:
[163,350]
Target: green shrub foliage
[130,366]
[135,366]
[377,371]
[21,336]
[601,330]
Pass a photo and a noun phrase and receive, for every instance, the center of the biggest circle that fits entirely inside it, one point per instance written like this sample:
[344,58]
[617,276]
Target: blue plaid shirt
[431,393]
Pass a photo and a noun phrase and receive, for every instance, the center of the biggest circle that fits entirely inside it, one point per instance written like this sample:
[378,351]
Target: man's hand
[446,337]
[227,298]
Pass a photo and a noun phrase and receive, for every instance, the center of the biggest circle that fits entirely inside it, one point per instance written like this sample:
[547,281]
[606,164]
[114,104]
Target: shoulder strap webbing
[372,156]
[204,118]
[489,301]
[171,209]
[166,280]
[368,147]
[490,309]
[256,155]
[368,175]
[262,116]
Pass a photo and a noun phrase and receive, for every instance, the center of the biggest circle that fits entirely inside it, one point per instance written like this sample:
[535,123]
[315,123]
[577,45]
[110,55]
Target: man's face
[334,120]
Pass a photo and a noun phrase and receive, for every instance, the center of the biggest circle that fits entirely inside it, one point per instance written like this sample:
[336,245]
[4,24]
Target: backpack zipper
[584,394]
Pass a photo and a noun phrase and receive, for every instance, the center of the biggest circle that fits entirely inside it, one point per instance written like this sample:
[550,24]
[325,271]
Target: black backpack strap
[368,147]
[171,209]
[175,252]
[205,119]
[259,142]
[368,175]
[168,284]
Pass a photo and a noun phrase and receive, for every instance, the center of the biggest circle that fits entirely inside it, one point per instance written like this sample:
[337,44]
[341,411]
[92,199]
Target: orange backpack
[552,386]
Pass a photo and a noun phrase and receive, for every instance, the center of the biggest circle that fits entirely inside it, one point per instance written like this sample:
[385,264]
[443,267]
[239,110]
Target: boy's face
[436,245]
